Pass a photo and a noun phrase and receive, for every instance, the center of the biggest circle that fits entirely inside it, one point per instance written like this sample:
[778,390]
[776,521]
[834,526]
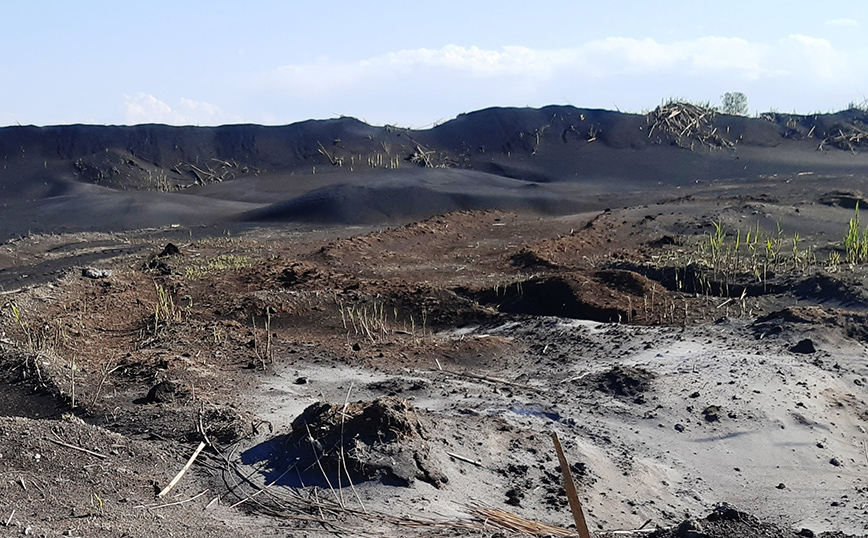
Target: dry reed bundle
[492,517]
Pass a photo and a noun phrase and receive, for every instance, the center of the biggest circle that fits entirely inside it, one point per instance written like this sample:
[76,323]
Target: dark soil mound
[299,273]
[848,199]
[805,346]
[170,249]
[412,194]
[626,281]
[728,522]
[831,288]
[163,392]
[854,324]
[625,381]
[696,278]
[529,258]
[610,296]
[381,440]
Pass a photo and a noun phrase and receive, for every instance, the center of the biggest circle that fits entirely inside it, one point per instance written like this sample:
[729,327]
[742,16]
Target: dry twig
[334,161]
[193,498]
[464,459]
[181,473]
[73,447]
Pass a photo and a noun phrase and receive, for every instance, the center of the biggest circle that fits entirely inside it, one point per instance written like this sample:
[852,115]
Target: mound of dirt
[624,381]
[607,297]
[626,281]
[413,194]
[529,258]
[725,521]
[804,346]
[831,288]
[700,279]
[381,440]
[853,324]
[844,198]
[299,273]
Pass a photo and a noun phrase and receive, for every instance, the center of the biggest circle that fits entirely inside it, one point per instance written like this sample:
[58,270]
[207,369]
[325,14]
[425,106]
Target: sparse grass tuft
[166,312]
[375,322]
[856,240]
[720,259]
[45,339]
[202,268]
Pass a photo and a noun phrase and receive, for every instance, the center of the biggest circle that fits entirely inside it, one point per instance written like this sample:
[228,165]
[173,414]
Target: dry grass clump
[199,268]
[500,519]
[375,321]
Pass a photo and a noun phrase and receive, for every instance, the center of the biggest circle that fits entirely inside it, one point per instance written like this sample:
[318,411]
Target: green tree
[734,103]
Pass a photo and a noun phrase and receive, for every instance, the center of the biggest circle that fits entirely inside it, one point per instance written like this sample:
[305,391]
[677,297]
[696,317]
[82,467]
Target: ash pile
[382,439]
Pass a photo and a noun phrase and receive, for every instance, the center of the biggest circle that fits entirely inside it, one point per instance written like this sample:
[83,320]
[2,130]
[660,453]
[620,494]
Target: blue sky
[416,63]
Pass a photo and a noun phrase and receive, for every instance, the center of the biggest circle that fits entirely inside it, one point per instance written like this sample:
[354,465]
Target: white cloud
[508,61]
[424,85]
[813,58]
[605,58]
[145,108]
[843,22]
[626,56]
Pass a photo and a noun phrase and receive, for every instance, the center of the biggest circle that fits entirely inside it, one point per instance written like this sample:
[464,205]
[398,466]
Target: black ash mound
[331,444]
[555,159]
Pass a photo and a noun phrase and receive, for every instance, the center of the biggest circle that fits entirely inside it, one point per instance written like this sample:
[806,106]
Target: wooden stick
[466,460]
[181,473]
[86,451]
[570,487]
[577,378]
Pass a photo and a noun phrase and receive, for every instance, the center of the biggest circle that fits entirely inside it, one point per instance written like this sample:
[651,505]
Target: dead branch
[420,156]
[181,473]
[330,157]
[685,125]
[209,175]
[73,447]
[847,137]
